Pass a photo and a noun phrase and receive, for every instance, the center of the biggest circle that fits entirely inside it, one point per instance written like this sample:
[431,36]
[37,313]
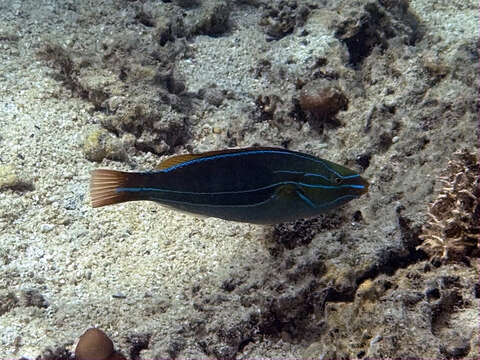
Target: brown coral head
[322,99]
[94,344]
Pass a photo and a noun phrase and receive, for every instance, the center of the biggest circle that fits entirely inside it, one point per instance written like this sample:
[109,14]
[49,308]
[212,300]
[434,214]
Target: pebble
[44,228]
[119,295]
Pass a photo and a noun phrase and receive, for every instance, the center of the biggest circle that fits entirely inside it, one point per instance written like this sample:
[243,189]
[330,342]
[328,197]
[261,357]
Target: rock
[12,178]
[323,99]
[212,18]
[319,350]
[8,301]
[94,344]
[99,144]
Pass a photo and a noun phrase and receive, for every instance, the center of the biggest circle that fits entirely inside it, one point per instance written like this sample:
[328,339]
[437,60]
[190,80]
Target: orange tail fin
[104,184]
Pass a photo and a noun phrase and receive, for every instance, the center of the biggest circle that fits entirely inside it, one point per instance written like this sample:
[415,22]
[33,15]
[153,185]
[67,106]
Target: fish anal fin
[292,191]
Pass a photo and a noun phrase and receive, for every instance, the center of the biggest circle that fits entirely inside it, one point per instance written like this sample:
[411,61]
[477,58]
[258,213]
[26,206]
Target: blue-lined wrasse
[255,185]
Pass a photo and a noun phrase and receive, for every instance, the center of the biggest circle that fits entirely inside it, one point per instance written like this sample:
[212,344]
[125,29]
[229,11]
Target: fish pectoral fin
[292,191]
[305,198]
[287,190]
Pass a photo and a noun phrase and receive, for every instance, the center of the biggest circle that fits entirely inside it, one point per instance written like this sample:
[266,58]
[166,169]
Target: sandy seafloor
[130,269]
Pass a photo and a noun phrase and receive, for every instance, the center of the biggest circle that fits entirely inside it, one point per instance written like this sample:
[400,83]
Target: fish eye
[337,180]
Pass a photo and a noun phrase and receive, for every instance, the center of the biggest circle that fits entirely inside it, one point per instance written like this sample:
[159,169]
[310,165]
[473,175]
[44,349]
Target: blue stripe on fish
[241,191]
[317,175]
[306,199]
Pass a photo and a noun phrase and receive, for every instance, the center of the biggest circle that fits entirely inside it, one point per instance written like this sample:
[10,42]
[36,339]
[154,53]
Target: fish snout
[363,185]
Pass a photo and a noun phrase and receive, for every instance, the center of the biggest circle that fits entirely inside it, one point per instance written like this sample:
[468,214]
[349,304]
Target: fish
[258,185]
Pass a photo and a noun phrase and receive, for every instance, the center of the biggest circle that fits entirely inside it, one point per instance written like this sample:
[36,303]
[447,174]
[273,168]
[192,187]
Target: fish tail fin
[105,185]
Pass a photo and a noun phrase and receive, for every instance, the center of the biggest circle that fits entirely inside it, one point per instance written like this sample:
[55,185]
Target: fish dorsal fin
[176,160]
[179,159]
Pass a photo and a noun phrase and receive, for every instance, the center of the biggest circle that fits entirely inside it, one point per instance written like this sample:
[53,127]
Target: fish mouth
[365,185]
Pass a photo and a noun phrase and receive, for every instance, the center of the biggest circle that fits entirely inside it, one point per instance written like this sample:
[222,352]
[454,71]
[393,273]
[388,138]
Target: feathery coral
[453,225]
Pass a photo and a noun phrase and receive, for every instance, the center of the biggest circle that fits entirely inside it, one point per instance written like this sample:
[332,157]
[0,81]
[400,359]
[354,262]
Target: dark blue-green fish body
[255,185]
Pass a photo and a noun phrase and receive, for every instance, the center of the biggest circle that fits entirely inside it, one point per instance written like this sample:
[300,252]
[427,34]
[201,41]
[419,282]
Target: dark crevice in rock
[392,260]
[375,26]
[137,344]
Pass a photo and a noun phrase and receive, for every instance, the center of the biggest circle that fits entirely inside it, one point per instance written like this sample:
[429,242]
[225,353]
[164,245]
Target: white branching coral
[453,227]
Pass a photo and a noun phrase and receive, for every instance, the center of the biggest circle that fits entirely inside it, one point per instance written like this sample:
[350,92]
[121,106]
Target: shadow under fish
[256,185]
